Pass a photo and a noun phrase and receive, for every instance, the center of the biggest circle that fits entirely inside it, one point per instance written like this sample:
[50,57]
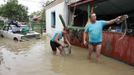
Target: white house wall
[59,9]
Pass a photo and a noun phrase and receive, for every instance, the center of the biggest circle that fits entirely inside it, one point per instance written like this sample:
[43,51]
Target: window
[53,19]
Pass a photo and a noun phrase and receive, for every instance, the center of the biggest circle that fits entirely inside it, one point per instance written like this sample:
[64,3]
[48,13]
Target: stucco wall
[60,8]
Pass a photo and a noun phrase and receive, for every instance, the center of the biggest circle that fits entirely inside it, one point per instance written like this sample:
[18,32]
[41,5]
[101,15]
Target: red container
[131,50]
[125,53]
[117,47]
[113,47]
[108,44]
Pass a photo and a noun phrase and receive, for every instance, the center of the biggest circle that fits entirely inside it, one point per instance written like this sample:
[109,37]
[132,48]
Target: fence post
[41,27]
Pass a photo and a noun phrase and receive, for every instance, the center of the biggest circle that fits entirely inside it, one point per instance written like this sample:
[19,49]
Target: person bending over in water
[54,42]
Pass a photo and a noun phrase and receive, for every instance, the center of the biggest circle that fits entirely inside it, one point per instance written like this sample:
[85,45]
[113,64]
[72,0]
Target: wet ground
[34,57]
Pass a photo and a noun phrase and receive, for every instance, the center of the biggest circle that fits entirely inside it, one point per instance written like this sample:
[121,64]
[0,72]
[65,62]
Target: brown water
[34,57]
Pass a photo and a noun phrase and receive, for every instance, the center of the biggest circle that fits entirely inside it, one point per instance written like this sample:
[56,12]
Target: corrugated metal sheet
[122,50]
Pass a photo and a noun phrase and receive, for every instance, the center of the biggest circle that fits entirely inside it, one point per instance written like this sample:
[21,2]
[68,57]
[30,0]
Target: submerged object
[66,50]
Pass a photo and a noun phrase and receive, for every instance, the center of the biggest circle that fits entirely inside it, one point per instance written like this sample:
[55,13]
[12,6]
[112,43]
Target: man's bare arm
[85,38]
[67,40]
[57,39]
[113,20]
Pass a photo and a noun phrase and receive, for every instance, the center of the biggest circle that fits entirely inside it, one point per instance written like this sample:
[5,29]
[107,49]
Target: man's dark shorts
[95,43]
[54,45]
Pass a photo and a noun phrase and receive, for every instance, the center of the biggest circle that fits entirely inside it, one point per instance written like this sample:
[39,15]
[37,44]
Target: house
[75,14]
[53,10]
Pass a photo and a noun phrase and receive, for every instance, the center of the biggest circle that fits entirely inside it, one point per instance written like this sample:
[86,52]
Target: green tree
[14,11]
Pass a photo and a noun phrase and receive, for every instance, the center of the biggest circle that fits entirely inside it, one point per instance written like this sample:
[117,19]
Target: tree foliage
[14,11]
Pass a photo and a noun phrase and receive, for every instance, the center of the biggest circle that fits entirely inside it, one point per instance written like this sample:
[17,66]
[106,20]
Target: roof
[53,3]
[80,2]
[107,7]
[102,7]
[115,7]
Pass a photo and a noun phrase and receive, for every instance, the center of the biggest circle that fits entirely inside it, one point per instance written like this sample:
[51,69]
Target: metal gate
[38,26]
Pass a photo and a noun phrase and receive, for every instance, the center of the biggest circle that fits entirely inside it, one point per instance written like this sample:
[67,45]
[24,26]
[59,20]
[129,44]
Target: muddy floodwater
[34,57]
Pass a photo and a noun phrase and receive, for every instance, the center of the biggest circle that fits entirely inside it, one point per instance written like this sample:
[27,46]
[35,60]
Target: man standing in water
[54,42]
[94,32]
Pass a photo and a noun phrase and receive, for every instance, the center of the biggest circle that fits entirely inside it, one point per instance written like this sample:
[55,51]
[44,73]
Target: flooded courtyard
[34,57]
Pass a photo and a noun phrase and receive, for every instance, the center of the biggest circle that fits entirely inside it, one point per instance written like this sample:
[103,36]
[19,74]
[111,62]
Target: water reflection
[25,58]
[34,57]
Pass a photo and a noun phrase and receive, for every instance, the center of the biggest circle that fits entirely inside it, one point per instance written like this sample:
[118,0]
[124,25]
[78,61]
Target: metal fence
[38,27]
